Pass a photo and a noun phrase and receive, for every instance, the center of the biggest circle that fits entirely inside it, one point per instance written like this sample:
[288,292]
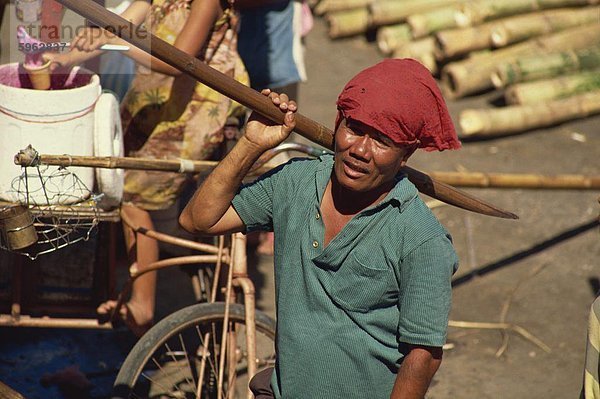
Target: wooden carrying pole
[254,100]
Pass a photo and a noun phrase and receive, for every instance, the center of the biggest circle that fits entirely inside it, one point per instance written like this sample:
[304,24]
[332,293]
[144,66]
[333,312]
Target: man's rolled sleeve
[426,292]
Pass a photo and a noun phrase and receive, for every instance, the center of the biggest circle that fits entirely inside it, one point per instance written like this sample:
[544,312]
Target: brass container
[16,228]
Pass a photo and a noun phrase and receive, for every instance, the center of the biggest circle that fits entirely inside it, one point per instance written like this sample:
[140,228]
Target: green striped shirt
[344,311]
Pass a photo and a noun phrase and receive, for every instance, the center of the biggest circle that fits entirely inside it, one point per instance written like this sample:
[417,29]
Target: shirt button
[318,216]
[315,244]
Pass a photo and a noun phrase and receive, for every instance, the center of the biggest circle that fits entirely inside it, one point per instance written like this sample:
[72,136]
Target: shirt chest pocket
[356,287]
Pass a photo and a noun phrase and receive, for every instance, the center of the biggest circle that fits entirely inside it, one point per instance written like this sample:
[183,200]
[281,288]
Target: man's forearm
[416,372]
[213,198]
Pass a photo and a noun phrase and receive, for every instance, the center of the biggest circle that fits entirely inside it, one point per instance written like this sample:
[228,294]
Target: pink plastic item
[15,75]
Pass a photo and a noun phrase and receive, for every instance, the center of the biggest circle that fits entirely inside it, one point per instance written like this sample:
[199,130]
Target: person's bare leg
[138,313]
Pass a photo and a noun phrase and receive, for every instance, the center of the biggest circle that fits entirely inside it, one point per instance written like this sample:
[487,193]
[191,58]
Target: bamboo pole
[461,179]
[519,180]
[519,118]
[388,12]
[515,29]
[474,74]
[535,67]
[327,6]
[391,37]
[552,89]
[29,157]
[426,23]
[348,23]
[479,11]
[452,42]
[254,100]
[421,50]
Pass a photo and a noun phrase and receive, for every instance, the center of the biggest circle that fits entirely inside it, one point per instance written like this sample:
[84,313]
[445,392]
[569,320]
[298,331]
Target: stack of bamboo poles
[544,54]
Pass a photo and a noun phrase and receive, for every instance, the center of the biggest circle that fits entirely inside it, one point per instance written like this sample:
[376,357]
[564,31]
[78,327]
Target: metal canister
[28,10]
[16,228]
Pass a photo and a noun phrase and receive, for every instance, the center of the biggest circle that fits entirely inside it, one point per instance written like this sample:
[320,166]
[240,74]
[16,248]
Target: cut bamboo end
[426,23]
[472,122]
[418,25]
[348,23]
[463,18]
[453,42]
[451,78]
[499,79]
[391,37]
[499,36]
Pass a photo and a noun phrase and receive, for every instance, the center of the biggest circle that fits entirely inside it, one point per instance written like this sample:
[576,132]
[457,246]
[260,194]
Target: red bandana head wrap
[400,98]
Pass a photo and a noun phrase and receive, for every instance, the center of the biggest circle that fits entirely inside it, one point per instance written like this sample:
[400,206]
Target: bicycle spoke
[175,361]
[167,376]
[187,359]
[153,381]
[204,356]
[231,356]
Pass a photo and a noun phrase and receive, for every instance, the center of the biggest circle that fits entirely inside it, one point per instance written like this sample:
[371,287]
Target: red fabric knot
[400,98]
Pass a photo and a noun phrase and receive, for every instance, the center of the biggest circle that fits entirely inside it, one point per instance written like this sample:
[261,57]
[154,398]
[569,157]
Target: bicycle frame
[237,282]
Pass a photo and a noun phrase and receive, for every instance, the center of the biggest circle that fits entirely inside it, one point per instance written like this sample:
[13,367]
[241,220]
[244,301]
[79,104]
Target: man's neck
[349,202]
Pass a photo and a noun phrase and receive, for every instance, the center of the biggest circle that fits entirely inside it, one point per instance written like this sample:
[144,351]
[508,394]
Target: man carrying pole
[362,267]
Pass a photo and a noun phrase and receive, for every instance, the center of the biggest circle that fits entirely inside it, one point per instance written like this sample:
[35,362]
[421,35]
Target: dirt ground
[545,265]
[543,268]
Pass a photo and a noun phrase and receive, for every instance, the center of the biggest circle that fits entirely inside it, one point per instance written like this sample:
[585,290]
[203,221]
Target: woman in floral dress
[166,115]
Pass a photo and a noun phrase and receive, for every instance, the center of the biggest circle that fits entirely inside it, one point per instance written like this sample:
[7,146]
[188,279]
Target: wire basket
[63,209]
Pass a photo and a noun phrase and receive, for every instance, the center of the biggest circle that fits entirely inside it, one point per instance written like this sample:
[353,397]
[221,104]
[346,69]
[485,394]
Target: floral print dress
[167,117]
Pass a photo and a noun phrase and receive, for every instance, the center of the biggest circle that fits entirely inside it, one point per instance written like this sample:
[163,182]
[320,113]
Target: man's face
[365,159]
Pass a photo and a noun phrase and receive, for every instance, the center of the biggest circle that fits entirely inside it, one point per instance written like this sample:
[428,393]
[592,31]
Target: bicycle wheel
[180,356]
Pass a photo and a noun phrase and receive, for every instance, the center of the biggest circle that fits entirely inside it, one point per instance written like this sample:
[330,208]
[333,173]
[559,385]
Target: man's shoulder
[422,225]
[302,166]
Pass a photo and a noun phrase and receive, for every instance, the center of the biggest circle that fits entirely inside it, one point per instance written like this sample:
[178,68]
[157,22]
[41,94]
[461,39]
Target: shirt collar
[401,194]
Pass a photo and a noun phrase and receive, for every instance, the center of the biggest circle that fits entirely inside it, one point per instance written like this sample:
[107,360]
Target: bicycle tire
[128,383]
